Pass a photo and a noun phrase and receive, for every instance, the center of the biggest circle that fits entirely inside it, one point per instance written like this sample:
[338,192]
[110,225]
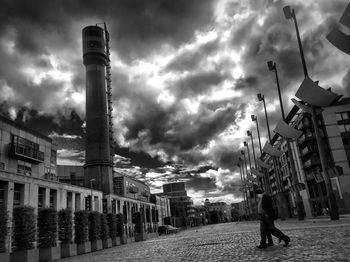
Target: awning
[262,163]
[313,94]
[306,108]
[337,37]
[285,130]
[339,40]
[272,151]
[256,172]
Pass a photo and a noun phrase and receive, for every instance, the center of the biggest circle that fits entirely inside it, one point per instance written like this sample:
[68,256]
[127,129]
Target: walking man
[267,226]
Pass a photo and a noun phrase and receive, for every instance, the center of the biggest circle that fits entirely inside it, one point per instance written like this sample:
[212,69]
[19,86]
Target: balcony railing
[27,153]
[133,190]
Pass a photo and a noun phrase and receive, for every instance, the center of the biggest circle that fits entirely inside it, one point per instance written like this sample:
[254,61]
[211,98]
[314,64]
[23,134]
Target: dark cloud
[199,129]
[197,83]
[190,59]
[141,159]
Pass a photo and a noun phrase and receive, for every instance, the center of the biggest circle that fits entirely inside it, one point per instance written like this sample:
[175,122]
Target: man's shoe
[270,244]
[286,241]
[261,246]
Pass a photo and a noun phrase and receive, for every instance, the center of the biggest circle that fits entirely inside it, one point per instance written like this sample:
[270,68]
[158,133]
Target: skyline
[185,77]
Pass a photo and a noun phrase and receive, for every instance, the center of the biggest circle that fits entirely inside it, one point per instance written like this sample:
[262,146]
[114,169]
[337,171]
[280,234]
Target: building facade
[334,127]
[28,176]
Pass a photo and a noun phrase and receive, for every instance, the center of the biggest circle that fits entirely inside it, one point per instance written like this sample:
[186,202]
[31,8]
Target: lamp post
[243,185]
[251,137]
[246,169]
[250,162]
[282,202]
[299,201]
[289,13]
[267,184]
[250,168]
[91,204]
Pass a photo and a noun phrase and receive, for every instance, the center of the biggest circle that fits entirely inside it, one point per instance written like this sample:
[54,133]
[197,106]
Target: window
[53,158]
[17,192]
[24,168]
[2,166]
[41,194]
[53,194]
[2,192]
[344,128]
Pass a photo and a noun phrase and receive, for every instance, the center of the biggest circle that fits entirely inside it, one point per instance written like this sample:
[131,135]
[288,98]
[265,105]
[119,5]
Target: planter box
[5,257]
[116,241]
[49,254]
[96,245]
[123,240]
[68,250]
[84,248]
[107,243]
[140,236]
[31,255]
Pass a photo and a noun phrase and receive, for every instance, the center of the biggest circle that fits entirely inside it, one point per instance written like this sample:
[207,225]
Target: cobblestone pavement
[311,240]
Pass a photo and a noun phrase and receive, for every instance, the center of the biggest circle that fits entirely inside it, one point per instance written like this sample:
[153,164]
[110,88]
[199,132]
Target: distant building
[71,174]
[238,208]
[223,210]
[181,205]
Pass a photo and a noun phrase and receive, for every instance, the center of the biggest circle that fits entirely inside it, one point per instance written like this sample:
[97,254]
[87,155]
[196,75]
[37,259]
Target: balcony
[311,162]
[308,150]
[306,137]
[26,152]
[145,194]
[133,190]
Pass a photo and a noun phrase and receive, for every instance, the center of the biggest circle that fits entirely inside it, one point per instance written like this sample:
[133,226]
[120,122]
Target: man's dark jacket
[267,206]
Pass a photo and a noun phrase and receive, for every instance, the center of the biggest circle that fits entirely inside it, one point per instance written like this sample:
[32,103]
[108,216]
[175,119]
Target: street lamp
[246,169]
[265,179]
[91,204]
[281,202]
[243,186]
[251,137]
[333,207]
[299,201]
[250,166]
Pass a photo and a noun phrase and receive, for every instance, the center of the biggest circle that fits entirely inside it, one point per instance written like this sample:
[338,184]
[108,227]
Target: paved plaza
[311,240]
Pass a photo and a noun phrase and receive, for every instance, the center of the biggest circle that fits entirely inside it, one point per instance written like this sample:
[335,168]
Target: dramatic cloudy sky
[185,78]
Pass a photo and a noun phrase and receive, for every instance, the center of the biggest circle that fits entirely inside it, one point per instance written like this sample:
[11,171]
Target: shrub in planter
[65,233]
[81,226]
[47,234]
[95,230]
[24,234]
[120,228]
[4,256]
[104,234]
[3,228]
[112,226]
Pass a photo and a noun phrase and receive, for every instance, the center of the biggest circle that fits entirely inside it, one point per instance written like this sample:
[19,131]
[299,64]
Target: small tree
[112,225]
[81,222]
[3,228]
[94,226]
[24,227]
[120,225]
[104,227]
[65,225]
[47,227]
